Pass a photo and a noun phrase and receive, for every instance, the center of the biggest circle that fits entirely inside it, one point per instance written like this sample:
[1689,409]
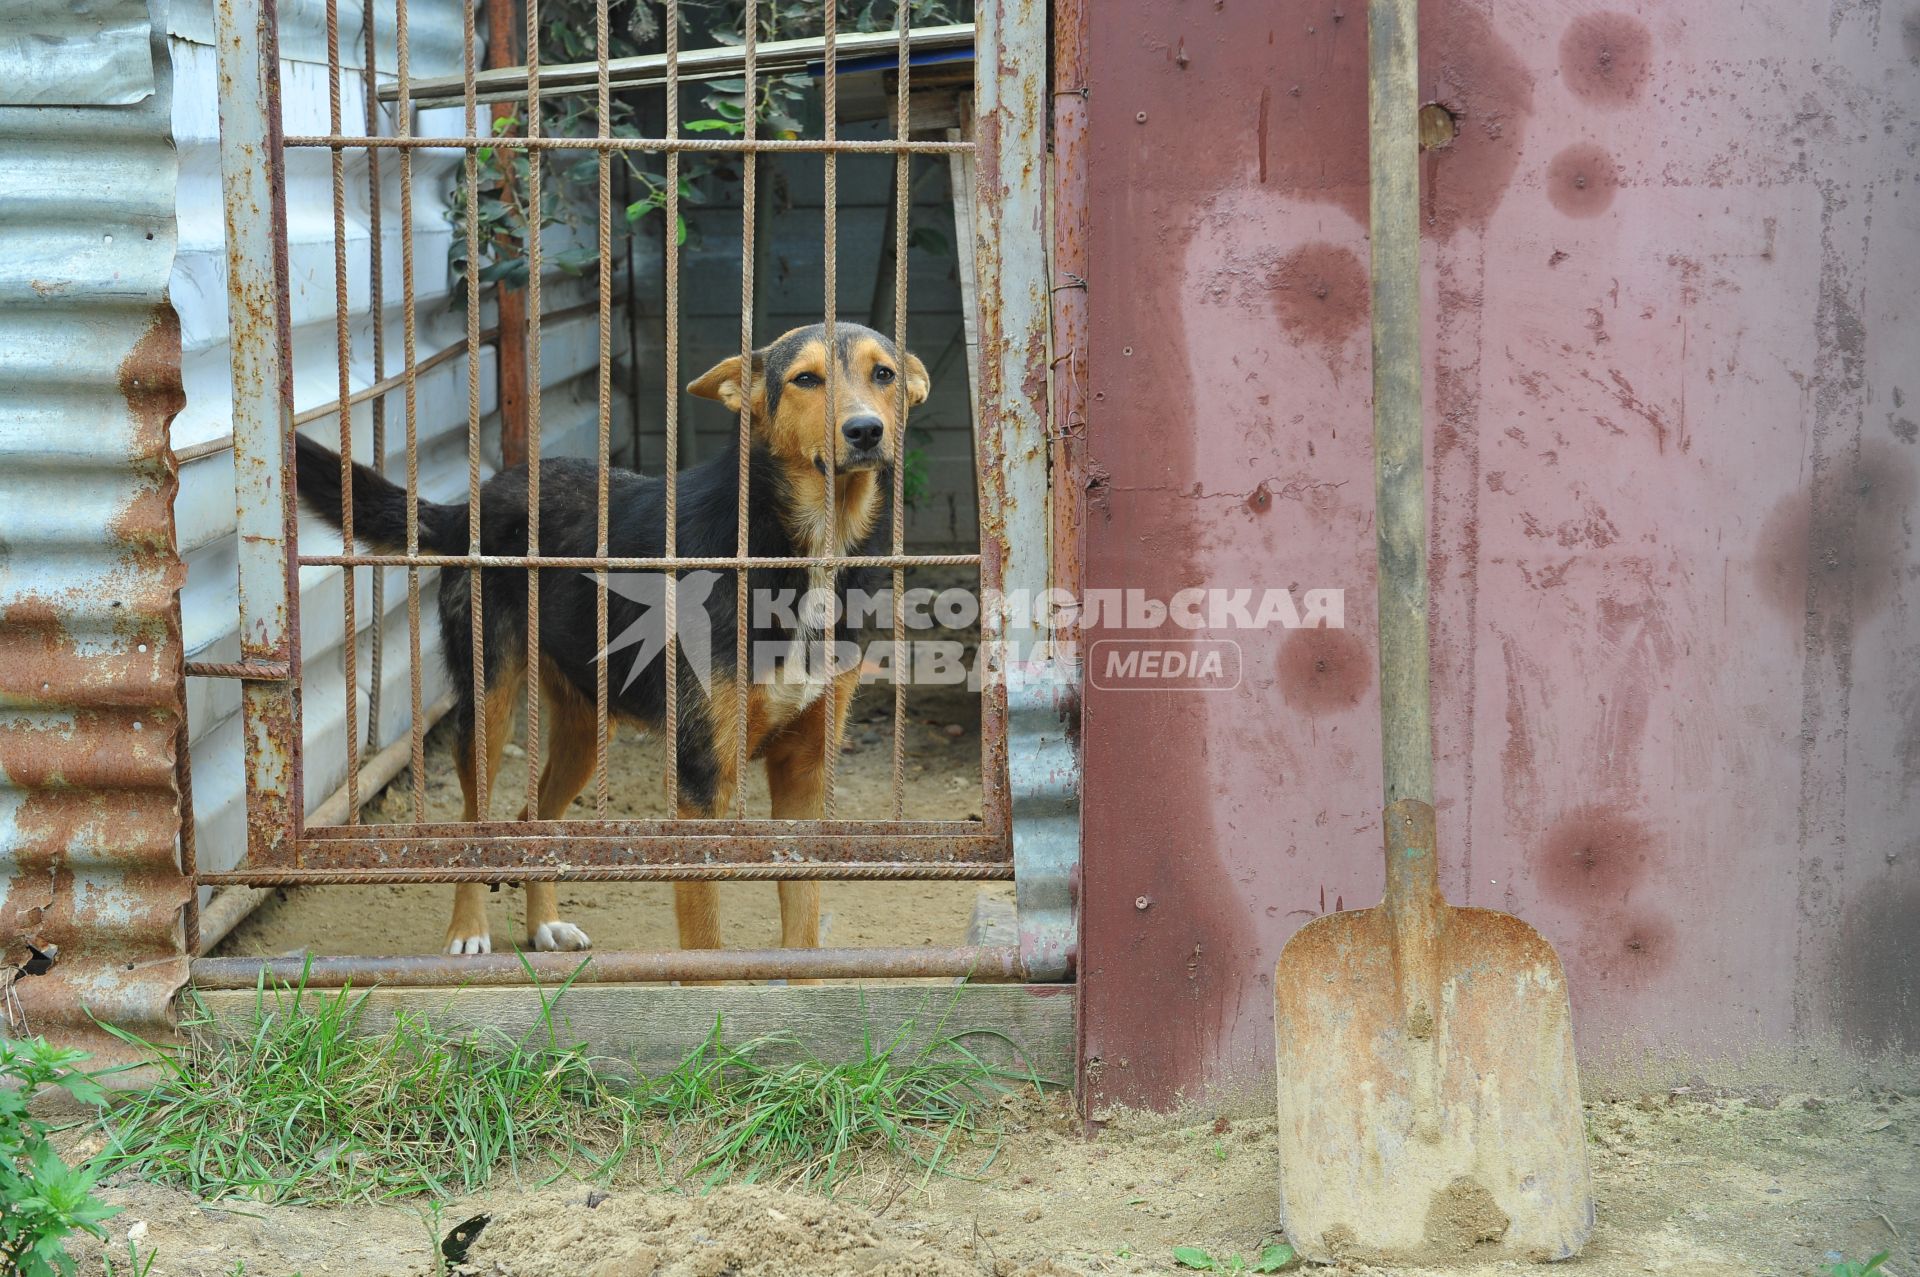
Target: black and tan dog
[787,516]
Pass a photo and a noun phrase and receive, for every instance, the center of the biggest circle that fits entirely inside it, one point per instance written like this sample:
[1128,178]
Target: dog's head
[786,392]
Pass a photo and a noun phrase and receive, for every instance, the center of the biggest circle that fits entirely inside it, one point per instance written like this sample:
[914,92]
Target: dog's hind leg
[796,779]
[696,905]
[708,776]
[570,720]
[468,932]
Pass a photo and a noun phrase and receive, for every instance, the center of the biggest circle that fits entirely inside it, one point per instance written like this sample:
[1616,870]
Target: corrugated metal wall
[206,506]
[90,642]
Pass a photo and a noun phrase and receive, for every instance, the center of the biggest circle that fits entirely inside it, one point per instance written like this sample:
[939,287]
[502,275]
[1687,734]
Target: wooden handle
[1399,480]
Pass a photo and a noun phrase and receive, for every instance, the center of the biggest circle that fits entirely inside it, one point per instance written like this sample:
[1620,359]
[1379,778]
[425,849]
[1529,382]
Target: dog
[783,388]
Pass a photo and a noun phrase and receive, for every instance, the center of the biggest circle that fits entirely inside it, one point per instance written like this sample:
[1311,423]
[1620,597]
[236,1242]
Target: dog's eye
[882,374]
[808,380]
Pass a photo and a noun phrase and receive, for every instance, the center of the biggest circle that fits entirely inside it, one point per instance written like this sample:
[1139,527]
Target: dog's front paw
[560,937]
[459,944]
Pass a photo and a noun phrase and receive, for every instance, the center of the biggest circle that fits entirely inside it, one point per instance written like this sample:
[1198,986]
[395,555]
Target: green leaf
[574,261]
[680,232]
[710,126]
[512,272]
[1273,1258]
[1193,1257]
[504,123]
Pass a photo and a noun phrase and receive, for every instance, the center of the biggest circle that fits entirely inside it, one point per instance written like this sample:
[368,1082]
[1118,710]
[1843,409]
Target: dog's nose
[864,432]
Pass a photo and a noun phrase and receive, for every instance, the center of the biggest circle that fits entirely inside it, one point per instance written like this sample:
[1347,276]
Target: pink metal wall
[1673,376]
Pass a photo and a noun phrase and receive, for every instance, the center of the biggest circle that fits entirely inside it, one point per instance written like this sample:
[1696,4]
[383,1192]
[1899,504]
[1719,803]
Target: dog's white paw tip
[560,937]
[462,945]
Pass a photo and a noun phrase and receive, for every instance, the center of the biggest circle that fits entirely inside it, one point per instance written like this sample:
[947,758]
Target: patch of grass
[769,1109]
[303,1105]
[1858,1268]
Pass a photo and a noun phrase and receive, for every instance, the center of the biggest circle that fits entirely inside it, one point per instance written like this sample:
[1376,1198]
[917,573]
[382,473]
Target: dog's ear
[917,383]
[722,382]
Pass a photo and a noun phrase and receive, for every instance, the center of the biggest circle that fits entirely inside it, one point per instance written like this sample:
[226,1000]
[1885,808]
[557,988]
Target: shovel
[1429,1104]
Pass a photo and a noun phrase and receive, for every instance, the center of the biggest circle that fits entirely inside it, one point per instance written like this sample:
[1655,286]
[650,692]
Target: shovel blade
[1488,1158]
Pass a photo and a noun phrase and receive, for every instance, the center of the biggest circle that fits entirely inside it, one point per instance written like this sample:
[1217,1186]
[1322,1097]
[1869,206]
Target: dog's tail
[379,504]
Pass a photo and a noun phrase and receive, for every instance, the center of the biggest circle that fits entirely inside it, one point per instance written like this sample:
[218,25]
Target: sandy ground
[1689,1183]
[942,783]
[1692,1185]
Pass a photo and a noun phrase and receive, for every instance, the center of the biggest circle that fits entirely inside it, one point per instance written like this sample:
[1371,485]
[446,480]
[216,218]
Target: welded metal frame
[1016,553]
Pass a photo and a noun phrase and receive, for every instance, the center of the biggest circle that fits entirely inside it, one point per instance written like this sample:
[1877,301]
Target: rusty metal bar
[377,292]
[902,220]
[671,543]
[634,564]
[253,191]
[556,832]
[1010,250]
[884,850]
[535,217]
[482,781]
[416,725]
[258,671]
[1069,259]
[829,421]
[730,146]
[749,174]
[603,102]
[981,963]
[510,870]
[343,360]
[650,70]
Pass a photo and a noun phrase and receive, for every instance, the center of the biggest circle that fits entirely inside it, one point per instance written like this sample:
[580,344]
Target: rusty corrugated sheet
[90,658]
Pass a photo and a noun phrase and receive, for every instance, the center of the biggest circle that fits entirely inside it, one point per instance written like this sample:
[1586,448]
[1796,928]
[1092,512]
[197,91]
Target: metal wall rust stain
[1637,623]
[90,643]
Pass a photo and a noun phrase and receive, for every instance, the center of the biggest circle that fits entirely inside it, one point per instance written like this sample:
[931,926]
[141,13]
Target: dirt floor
[1688,1184]
[942,783]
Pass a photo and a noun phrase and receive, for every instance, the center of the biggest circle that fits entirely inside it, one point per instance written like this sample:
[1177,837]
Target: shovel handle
[1400,522]
[1399,480]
